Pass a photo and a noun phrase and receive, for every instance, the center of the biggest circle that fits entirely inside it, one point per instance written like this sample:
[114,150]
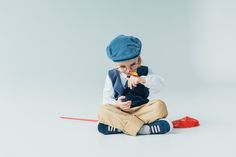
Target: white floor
[36,131]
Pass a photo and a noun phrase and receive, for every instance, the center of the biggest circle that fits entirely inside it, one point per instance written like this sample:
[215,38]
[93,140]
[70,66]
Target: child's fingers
[129,102]
[126,104]
[123,104]
[121,98]
[126,108]
[129,84]
[134,84]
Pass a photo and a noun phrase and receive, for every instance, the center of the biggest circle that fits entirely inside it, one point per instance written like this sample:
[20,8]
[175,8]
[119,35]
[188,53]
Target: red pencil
[82,119]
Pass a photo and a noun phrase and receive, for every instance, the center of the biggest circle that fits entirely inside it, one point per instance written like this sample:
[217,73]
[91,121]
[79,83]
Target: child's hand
[125,106]
[133,81]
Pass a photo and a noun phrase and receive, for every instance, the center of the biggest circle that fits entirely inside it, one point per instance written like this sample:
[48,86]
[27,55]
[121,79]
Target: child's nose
[128,70]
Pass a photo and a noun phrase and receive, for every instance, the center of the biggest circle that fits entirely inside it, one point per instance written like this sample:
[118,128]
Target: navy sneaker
[107,130]
[161,126]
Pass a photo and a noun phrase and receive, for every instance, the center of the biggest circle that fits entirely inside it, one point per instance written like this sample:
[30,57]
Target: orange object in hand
[133,74]
[186,122]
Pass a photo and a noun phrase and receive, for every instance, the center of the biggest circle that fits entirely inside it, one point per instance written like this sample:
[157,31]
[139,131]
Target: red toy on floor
[186,122]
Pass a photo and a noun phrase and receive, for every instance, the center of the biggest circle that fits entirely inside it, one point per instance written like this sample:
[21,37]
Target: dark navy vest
[138,95]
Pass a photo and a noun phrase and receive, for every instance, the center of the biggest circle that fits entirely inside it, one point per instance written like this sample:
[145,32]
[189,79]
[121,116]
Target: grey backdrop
[53,61]
[59,46]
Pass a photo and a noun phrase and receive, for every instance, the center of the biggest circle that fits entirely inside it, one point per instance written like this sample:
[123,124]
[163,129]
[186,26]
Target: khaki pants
[131,121]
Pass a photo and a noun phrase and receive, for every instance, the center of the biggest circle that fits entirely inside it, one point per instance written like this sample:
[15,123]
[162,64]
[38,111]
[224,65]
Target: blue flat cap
[124,48]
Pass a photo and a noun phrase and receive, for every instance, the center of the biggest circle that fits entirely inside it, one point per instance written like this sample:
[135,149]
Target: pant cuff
[133,125]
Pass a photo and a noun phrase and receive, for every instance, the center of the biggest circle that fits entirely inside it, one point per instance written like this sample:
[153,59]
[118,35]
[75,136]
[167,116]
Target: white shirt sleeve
[154,83]
[108,92]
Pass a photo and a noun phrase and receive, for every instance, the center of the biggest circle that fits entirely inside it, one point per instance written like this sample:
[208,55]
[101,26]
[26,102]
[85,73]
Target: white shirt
[153,82]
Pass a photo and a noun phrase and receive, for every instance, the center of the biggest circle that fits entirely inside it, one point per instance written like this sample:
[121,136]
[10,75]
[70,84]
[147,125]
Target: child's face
[128,66]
